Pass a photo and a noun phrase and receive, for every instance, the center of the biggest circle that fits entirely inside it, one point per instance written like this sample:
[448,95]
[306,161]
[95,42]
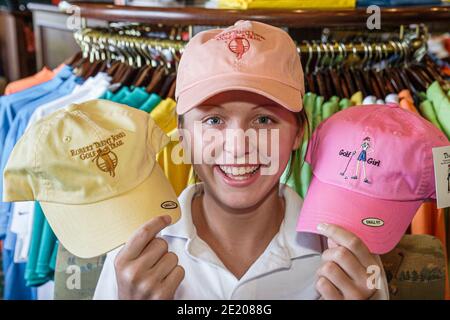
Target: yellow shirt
[357,98]
[180,175]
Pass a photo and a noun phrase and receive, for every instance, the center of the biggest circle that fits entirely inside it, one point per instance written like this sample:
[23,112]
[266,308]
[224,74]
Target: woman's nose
[239,143]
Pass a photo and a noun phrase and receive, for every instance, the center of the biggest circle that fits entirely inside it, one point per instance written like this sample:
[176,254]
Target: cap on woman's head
[249,56]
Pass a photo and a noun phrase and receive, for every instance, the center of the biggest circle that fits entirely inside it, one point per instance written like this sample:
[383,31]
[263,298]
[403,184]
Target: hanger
[338,86]
[324,70]
[171,92]
[310,85]
[389,78]
[376,72]
[341,58]
[349,61]
[74,59]
[321,87]
[167,84]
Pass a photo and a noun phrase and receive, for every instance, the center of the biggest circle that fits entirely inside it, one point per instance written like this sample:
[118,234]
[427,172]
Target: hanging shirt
[357,98]
[406,101]
[329,108]
[10,105]
[392,98]
[317,112]
[441,105]
[369,100]
[40,267]
[136,98]
[427,109]
[285,270]
[42,76]
[120,95]
[345,103]
[165,116]
[300,184]
[92,88]
[15,287]
[180,175]
[15,111]
[151,103]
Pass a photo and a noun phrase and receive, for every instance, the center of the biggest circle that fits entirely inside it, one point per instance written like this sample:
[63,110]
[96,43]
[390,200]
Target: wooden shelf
[287,18]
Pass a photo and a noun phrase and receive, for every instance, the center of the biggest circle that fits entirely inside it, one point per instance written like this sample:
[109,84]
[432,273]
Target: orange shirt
[42,76]
[406,101]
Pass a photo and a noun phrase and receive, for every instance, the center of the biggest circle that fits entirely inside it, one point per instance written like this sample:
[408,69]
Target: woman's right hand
[145,270]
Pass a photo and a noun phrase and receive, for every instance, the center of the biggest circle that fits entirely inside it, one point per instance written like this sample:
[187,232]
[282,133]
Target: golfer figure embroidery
[106,160]
[362,158]
[239,46]
[448,179]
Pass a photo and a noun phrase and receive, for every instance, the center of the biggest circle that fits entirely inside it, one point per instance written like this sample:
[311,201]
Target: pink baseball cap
[372,168]
[249,56]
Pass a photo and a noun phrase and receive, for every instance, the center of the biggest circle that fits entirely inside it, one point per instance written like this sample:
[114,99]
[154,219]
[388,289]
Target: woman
[236,238]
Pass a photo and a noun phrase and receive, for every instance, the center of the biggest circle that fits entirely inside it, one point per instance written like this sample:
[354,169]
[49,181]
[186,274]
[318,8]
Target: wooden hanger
[171,93]
[73,60]
[167,84]
[157,77]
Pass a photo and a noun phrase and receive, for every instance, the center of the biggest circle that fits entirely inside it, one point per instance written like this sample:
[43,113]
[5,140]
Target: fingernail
[167,219]
[321,227]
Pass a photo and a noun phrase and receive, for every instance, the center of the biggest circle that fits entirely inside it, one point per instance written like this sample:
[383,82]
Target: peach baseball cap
[249,56]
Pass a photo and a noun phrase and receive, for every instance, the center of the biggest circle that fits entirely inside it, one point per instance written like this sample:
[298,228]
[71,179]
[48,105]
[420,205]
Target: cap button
[243,24]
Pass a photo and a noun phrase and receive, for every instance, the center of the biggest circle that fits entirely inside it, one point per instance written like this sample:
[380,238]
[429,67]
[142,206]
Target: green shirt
[427,109]
[151,103]
[41,255]
[441,104]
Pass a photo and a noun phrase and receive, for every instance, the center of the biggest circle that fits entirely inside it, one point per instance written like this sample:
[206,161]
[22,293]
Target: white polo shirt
[285,270]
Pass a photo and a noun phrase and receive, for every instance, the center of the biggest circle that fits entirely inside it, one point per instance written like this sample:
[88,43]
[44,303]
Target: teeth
[239,171]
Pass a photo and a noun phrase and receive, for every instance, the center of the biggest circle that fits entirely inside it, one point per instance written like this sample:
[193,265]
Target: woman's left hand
[346,266]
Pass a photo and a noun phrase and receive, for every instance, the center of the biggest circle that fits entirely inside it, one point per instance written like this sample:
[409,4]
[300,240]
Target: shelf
[287,18]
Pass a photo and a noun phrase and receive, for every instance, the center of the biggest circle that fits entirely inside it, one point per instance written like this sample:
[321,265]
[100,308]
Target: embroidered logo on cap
[106,160]
[101,153]
[361,161]
[238,41]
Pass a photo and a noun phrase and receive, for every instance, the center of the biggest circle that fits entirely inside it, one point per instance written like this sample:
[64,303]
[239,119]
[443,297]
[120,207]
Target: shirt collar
[287,244]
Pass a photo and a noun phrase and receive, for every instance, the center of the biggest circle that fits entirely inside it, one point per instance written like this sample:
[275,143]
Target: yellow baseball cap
[92,167]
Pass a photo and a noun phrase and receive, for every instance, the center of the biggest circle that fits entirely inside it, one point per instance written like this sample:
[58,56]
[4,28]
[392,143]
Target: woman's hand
[344,271]
[144,267]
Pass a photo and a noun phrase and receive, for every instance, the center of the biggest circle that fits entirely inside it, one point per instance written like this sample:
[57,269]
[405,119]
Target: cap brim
[89,230]
[283,94]
[360,214]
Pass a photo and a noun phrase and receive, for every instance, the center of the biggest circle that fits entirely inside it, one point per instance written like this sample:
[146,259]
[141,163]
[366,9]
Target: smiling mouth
[239,172]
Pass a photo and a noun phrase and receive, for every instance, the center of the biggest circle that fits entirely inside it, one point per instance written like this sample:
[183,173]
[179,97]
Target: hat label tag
[441,161]
[373,222]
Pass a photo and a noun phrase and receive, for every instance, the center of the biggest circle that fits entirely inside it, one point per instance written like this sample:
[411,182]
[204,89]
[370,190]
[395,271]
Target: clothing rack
[130,41]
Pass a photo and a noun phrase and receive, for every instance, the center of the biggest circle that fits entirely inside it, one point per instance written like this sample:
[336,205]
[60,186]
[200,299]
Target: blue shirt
[61,85]
[10,105]
[16,130]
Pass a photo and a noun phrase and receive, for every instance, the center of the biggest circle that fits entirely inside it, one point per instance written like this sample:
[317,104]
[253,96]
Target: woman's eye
[213,121]
[263,120]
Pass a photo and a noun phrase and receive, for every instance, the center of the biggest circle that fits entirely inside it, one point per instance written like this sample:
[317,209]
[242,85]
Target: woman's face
[243,170]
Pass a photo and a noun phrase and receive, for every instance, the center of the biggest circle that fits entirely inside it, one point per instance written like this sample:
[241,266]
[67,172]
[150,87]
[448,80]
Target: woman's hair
[295,162]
